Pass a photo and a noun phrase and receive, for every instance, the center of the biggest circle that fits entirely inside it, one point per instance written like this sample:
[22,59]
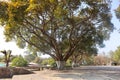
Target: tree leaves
[58,27]
[117,11]
[3,12]
[116,55]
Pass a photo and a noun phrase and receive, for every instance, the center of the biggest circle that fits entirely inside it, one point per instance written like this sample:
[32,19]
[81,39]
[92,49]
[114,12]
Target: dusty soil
[81,73]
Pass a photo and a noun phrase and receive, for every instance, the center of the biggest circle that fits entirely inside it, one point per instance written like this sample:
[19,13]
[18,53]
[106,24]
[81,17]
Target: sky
[9,45]
[114,41]
[111,44]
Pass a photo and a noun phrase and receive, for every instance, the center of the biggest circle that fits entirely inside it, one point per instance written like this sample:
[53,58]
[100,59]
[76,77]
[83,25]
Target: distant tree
[101,60]
[116,55]
[117,11]
[88,60]
[30,57]
[1,59]
[37,60]
[7,56]
[56,27]
[111,55]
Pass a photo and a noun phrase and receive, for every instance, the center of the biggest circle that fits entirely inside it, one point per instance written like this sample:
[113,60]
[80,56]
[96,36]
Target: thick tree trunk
[73,64]
[60,65]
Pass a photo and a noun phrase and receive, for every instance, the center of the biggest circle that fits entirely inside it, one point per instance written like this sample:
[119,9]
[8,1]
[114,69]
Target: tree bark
[7,64]
[60,65]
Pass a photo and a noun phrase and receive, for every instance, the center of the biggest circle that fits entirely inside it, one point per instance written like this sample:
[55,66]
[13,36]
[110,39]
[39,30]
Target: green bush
[19,62]
[49,61]
[68,62]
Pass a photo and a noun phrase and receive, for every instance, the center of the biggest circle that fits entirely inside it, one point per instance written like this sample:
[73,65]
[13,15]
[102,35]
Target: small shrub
[19,62]
[68,62]
[49,61]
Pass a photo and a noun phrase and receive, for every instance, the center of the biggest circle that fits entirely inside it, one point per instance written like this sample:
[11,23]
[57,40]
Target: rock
[5,73]
[9,72]
[17,71]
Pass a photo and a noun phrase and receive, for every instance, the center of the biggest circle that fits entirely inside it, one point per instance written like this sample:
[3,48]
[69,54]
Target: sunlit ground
[79,73]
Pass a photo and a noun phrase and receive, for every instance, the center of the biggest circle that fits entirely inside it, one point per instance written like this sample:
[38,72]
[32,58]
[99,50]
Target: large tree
[56,27]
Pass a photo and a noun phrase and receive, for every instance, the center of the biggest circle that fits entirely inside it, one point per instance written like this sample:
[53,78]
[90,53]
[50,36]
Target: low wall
[9,72]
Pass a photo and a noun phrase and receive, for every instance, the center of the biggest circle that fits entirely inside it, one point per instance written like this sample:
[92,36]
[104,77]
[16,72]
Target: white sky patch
[9,45]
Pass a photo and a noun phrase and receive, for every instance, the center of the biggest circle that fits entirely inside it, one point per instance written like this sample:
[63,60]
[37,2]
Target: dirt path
[81,73]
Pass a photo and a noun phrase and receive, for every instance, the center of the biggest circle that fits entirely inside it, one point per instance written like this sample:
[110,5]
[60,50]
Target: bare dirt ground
[80,73]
